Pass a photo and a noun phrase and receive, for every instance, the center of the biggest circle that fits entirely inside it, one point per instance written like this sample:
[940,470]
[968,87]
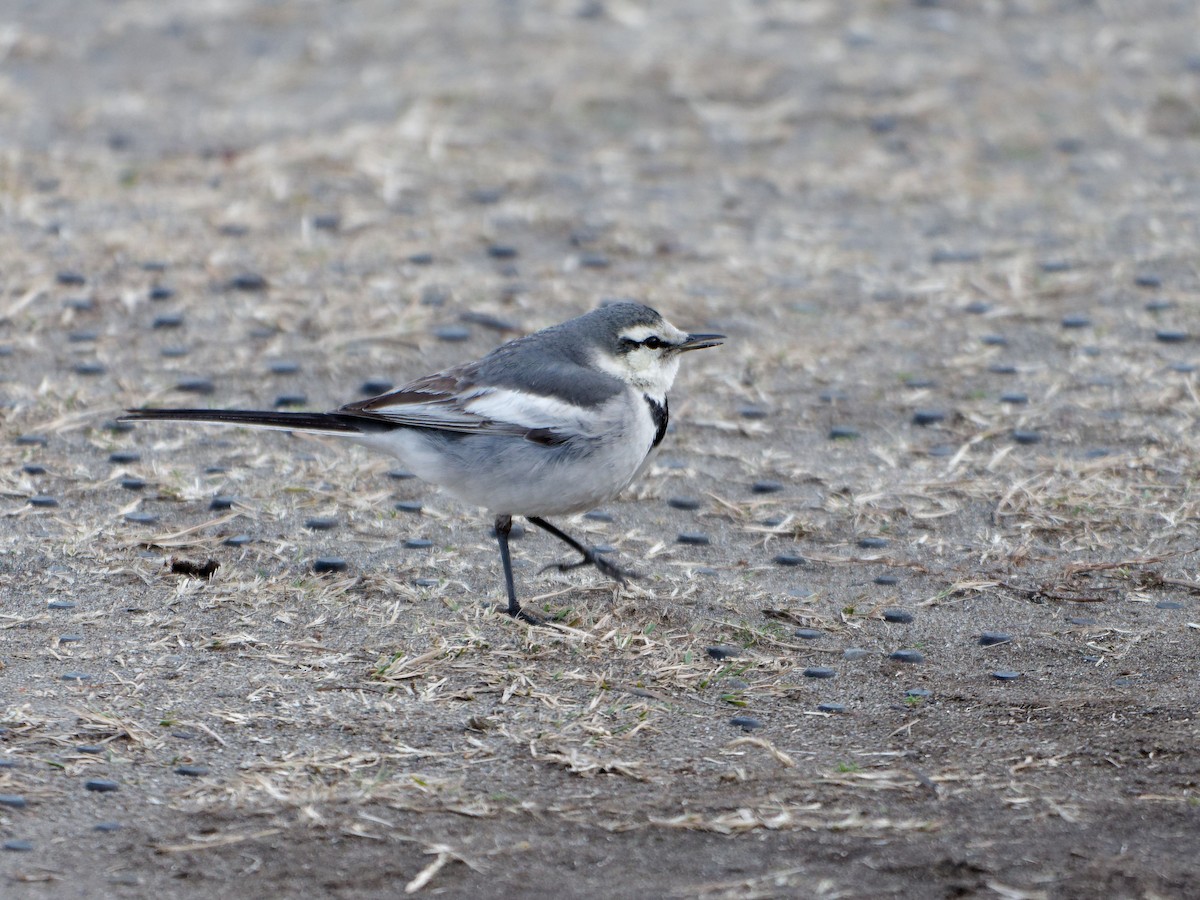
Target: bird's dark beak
[700,342]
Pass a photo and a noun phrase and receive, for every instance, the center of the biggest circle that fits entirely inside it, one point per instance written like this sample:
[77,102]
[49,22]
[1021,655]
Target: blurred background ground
[954,247]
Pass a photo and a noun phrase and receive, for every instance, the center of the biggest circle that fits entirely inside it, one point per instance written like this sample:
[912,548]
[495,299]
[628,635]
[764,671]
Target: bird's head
[637,345]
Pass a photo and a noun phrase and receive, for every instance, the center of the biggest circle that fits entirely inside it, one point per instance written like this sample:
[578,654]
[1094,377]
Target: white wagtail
[555,422]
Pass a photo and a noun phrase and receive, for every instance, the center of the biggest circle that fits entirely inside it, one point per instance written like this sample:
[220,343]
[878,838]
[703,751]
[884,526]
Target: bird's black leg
[503,527]
[590,557]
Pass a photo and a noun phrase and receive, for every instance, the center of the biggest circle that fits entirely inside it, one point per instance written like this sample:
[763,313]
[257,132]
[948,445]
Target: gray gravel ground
[954,247]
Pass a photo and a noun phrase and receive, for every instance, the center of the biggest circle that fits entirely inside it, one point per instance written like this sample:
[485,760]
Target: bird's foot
[521,614]
[591,558]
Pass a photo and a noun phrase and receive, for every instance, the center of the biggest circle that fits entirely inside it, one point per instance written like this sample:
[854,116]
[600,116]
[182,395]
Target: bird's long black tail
[331,422]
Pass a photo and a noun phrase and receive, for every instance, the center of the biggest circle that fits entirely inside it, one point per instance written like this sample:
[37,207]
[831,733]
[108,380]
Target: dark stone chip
[13,801]
[168,320]
[593,261]
[70,279]
[808,634]
[695,538]
[1168,604]
[991,638]
[43,500]
[373,386]
[722,652]
[82,337]
[33,469]
[70,638]
[418,544]
[900,616]
[117,427]
[819,672]
[76,676]
[1146,280]
[766,487]
[598,515]
[321,524]
[196,386]
[216,470]
[1159,304]
[61,604]
[683,503]
[7,763]
[326,222]
[90,749]
[488,321]
[1006,676]
[746,723]
[409,506]
[872,543]
[452,333]
[886,580]
[1015,398]
[107,827]
[90,369]
[978,308]
[1002,369]
[329,564]
[486,196]
[831,707]
[124,457]
[221,501]
[421,259]
[101,785]
[919,383]
[262,332]
[843,433]
[400,475]
[141,518]
[283,367]
[1171,337]
[285,400]
[994,340]
[247,281]
[954,256]
[174,352]
[790,559]
[832,396]
[907,656]
[237,540]
[1027,437]
[159,292]
[707,571]
[1125,681]
[928,416]
[750,411]
[192,771]
[425,582]
[921,693]
[1080,620]
[18,845]
[132,484]
[80,304]
[1050,266]
[1076,320]
[30,440]
[502,251]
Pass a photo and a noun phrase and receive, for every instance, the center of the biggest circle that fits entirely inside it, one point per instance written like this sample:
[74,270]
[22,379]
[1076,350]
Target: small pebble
[192,771]
[746,723]
[735,684]
[173,352]
[418,544]
[90,749]
[683,503]
[694,538]
[435,295]
[1125,681]
[593,261]
[900,616]
[283,367]
[991,638]
[1003,369]
[107,827]
[409,506]
[167,320]
[598,515]
[220,502]
[284,400]
[928,416]
[1146,280]
[1168,604]
[994,340]
[18,846]
[141,518]
[69,278]
[978,308]
[90,369]
[801,593]
[1051,266]
[766,487]
[33,469]
[247,281]
[808,634]
[13,801]
[831,707]
[722,652]
[1096,452]
[82,337]
[750,411]
[61,604]
[374,386]
[425,582]
[502,251]
[1076,320]
[819,672]
[43,500]
[954,256]
[101,785]
[1183,368]
[1159,304]
[27,440]
[832,396]
[400,474]
[1080,620]
[907,656]
[1006,676]
[326,222]
[1171,337]
[790,559]
[321,524]
[921,693]
[70,638]
[872,543]
[1027,437]
[159,293]
[917,383]
[488,321]
[886,580]
[237,540]
[420,259]
[117,427]
[707,571]
[843,433]
[452,333]
[325,564]
[1014,398]
[196,386]
[124,457]
[76,676]
[853,653]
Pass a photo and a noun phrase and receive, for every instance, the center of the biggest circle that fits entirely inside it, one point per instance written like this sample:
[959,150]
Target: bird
[553,423]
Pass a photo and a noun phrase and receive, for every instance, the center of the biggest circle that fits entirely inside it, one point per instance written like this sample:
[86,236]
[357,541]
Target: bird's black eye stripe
[654,342]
